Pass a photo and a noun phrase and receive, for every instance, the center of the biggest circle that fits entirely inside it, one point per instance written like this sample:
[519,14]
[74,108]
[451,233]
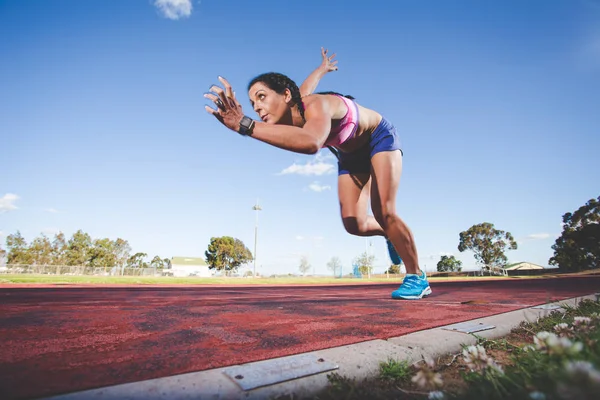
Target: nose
[256,108]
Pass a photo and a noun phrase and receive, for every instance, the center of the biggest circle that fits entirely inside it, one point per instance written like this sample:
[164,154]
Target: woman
[367,145]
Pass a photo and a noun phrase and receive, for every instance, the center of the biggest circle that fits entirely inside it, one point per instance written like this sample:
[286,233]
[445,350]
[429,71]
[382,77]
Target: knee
[354,225]
[386,218]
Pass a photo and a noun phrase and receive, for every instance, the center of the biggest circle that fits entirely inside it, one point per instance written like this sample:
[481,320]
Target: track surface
[62,339]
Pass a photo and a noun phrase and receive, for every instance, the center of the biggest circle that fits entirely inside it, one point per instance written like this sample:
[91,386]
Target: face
[271,107]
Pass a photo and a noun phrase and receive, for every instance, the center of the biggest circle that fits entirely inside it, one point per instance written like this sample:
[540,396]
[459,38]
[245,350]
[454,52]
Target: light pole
[257,209]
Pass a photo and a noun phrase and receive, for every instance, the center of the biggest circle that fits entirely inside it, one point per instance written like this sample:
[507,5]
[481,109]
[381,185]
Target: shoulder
[323,104]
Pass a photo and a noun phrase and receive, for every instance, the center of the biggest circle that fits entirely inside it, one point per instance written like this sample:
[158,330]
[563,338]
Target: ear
[287,96]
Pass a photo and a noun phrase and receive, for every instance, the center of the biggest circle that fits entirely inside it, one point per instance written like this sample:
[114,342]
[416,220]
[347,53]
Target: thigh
[353,194]
[386,170]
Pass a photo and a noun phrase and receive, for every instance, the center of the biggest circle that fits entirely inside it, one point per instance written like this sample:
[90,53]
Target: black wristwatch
[246,126]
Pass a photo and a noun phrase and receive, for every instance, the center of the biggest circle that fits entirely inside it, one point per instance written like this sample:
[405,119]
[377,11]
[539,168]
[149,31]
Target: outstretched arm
[327,65]
[307,140]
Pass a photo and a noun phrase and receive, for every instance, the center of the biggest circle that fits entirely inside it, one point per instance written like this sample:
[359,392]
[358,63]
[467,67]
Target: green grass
[398,371]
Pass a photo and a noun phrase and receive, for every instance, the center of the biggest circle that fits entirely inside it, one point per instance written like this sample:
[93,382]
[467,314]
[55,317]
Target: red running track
[58,339]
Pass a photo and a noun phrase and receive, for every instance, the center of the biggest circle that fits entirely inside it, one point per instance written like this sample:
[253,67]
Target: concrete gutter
[310,370]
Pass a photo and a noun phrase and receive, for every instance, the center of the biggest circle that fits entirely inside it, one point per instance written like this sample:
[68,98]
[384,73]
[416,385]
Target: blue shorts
[383,138]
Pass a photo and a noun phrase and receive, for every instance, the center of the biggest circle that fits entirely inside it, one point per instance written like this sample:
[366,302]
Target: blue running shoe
[396,260]
[413,287]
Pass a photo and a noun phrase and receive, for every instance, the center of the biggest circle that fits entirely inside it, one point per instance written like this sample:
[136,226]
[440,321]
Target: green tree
[2,255]
[157,263]
[18,250]
[488,244]
[393,269]
[101,254]
[227,254]
[137,261]
[334,265]
[59,249]
[578,247]
[41,250]
[304,266]
[122,252]
[449,264]
[365,263]
[167,263]
[78,248]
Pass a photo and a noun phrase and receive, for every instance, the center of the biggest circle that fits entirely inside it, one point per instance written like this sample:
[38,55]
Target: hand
[328,64]
[229,111]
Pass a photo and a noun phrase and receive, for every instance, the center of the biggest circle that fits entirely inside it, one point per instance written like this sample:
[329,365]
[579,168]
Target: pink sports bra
[346,127]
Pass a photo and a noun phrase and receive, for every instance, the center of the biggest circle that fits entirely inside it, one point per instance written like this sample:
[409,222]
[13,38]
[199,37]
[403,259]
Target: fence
[80,270]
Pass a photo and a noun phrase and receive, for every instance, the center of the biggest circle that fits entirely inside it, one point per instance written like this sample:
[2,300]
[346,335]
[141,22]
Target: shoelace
[410,281]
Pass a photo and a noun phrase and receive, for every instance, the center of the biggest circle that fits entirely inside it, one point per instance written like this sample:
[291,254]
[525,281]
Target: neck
[297,119]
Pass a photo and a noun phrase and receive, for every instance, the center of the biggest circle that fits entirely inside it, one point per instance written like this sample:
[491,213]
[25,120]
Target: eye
[261,96]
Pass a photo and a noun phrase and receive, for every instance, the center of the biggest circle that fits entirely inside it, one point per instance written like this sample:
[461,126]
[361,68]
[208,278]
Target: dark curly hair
[279,82]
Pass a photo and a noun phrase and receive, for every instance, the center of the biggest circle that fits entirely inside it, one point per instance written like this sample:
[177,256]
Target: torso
[351,123]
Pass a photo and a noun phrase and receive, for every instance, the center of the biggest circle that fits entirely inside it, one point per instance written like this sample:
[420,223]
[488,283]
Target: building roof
[523,266]
[191,261]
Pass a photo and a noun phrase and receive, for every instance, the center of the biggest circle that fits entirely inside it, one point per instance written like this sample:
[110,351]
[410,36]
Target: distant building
[189,266]
[527,268]
[523,266]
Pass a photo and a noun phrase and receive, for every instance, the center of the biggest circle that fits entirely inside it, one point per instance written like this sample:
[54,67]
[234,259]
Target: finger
[333,63]
[217,100]
[219,92]
[214,112]
[228,89]
[210,110]
[331,56]
[323,52]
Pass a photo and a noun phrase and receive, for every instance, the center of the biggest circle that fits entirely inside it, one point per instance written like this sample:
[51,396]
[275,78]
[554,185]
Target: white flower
[494,367]
[581,379]
[426,376]
[475,357]
[550,343]
[583,371]
[436,395]
[563,329]
[581,321]
[541,338]
[582,324]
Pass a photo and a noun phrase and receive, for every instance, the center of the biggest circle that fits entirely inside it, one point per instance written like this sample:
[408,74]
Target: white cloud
[174,9]
[299,237]
[310,168]
[322,164]
[50,231]
[538,236]
[7,202]
[52,210]
[316,187]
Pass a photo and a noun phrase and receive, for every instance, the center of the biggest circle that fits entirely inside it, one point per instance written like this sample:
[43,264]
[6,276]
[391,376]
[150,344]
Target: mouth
[264,117]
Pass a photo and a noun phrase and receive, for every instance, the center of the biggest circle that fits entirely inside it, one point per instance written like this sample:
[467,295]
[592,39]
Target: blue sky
[103,127]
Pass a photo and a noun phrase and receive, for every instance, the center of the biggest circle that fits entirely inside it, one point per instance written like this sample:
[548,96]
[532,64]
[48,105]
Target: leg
[386,172]
[353,193]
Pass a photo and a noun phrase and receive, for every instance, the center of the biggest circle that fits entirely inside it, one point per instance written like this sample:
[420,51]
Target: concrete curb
[356,361]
